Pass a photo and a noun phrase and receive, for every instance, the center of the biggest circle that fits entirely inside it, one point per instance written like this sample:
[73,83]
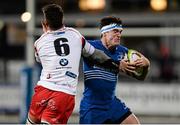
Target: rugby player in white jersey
[59,50]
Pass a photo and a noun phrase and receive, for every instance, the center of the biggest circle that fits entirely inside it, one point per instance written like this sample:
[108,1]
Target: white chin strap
[110,27]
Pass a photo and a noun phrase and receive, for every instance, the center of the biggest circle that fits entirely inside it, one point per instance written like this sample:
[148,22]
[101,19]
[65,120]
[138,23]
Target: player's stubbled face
[113,37]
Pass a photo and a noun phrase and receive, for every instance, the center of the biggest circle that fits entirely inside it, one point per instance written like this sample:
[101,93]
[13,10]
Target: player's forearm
[101,59]
[147,62]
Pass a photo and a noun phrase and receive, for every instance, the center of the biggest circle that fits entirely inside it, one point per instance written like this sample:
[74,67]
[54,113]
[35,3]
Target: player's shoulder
[40,38]
[122,48]
[73,30]
[94,42]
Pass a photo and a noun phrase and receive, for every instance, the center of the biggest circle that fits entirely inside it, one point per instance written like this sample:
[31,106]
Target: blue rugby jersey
[100,83]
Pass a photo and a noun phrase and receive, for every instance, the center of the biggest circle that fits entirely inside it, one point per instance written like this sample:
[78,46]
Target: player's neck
[108,46]
[105,44]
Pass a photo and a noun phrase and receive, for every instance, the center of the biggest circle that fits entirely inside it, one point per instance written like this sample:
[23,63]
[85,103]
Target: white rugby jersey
[59,53]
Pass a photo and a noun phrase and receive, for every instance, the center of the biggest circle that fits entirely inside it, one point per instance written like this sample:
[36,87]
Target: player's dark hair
[53,14]
[110,20]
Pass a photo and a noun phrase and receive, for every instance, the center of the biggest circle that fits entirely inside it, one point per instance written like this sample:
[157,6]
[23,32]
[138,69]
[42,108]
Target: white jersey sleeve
[88,49]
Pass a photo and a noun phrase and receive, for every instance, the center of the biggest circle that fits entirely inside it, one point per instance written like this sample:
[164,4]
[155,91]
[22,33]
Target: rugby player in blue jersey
[99,104]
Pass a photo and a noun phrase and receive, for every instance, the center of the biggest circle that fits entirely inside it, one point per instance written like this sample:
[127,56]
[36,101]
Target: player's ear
[104,34]
[44,25]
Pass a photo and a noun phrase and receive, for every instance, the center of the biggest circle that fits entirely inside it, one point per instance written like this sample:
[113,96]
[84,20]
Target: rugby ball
[132,56]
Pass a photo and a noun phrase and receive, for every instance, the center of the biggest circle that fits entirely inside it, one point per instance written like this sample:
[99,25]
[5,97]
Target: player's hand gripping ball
[132,56]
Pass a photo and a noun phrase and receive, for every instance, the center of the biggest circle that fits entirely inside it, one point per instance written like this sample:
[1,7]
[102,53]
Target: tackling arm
[98,57]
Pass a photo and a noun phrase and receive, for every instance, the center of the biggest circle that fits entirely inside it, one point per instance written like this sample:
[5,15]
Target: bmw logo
[63,62]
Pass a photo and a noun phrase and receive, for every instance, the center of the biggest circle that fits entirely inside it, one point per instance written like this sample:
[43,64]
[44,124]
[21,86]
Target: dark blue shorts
[114,113]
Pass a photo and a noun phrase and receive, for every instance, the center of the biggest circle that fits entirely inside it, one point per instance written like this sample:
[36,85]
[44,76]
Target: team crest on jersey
[120,56]
[63,62]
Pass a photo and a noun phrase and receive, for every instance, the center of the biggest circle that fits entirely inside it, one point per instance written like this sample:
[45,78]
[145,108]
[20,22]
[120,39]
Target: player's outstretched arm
[100,59]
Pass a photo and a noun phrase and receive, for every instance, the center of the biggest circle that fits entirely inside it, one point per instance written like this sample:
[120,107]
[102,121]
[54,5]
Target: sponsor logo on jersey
[70,74]
[63,62]
[48,76]
[120,56]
